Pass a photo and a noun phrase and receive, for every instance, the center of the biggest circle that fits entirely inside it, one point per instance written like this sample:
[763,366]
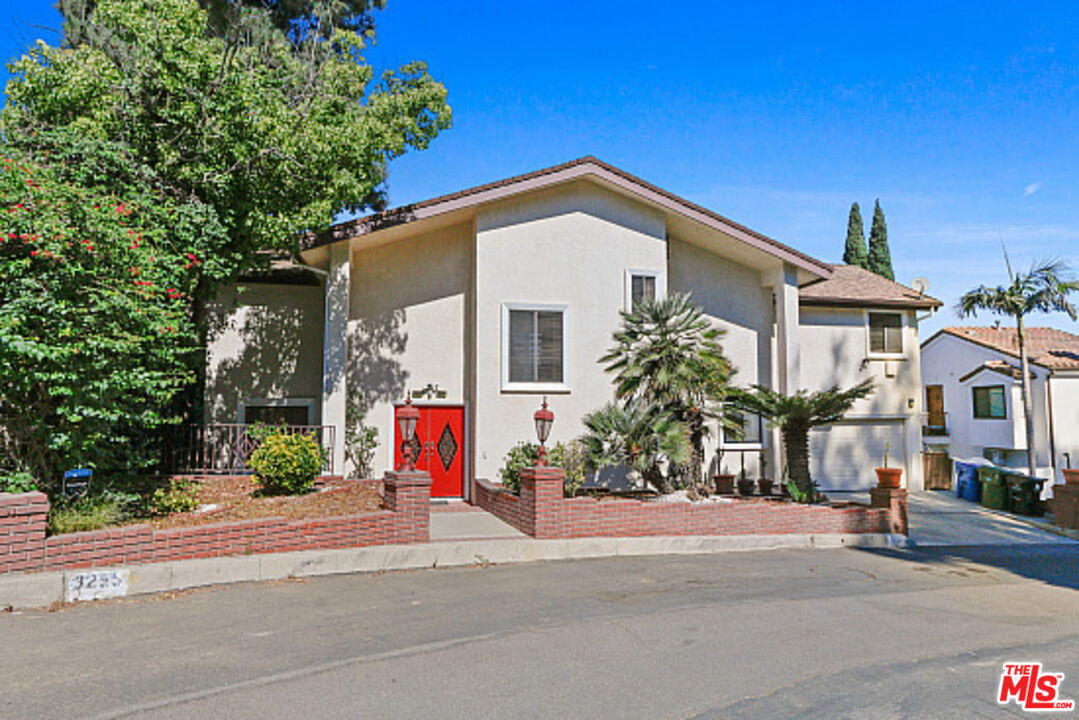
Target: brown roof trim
[1011,374]
[949,331]
[927,304]
[565,172]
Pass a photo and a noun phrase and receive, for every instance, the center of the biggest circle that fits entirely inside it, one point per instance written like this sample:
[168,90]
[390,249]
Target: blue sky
[963,118]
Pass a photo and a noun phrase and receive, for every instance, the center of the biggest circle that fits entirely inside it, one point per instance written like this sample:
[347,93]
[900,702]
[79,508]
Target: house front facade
[479,304]
[973,392]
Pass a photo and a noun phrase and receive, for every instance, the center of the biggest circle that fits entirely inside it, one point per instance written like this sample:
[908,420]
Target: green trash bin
[994,490]
[1025,493]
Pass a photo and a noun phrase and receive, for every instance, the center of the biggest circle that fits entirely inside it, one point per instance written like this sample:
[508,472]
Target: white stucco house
[973,394]
[479,303]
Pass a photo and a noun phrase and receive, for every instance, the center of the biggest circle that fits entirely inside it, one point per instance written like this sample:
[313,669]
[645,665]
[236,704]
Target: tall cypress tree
[855,253]
[880,257]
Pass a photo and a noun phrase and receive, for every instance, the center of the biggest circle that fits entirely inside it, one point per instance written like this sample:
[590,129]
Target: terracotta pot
[745,487]
[889,477]
[724,484]
[765,485]
[1071,477]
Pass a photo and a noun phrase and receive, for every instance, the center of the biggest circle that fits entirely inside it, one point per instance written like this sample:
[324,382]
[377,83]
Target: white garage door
[843,456]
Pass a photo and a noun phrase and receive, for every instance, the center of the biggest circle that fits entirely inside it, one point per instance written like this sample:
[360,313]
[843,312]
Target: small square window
[886,333]
[641,286]
[748,428]
[989,403]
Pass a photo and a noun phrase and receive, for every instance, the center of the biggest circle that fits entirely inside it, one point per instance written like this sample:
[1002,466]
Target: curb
[28,590]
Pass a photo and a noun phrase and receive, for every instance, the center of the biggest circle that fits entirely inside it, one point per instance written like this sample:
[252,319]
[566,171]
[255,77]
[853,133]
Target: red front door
[440,447]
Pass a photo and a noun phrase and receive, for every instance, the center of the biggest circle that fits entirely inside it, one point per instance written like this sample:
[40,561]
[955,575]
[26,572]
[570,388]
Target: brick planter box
[23,545]
[542,512]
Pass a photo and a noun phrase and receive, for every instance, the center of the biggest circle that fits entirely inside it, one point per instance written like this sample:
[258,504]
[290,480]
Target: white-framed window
[641,285]
[535,348]
[276,411]
[884,334]
[748,433]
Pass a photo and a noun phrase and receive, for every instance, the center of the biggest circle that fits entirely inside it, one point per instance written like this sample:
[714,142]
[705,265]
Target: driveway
[938,518]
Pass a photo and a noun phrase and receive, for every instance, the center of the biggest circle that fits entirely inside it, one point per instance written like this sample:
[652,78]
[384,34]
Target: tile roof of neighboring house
[552,175]
[997,366]
[1048,347]
[853,286]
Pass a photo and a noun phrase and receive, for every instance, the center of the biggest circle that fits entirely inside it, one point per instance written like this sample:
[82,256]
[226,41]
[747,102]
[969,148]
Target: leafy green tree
[97,261]
[267,113]
[668,355]
[795,415]
[1043,288]
[278,130]
[855,253]
[636,434]
[880,257]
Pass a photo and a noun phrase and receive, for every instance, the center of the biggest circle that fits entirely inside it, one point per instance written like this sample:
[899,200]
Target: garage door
[842,456]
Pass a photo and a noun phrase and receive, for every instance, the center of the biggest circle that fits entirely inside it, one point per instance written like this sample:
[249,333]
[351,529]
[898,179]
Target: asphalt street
[814,633]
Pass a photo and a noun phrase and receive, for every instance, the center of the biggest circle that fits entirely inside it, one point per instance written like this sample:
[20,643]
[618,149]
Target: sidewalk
[45,588]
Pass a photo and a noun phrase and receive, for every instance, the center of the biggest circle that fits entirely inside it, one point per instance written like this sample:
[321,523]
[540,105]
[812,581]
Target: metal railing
[224,448]
[935,429]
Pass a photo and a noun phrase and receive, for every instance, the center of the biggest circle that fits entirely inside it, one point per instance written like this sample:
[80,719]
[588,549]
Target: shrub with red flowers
[96,332]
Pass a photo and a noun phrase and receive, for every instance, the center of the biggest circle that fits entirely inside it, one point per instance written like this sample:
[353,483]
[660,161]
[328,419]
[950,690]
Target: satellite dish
[919,285]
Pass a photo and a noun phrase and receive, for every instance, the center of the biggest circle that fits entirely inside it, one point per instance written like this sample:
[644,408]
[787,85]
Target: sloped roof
[1048,347]
[997,366]
[581,167]
[853,286]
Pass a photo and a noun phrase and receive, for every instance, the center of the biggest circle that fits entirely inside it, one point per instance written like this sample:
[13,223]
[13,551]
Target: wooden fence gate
[937,470]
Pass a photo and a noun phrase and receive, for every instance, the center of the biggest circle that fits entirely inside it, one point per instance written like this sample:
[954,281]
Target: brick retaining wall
[542,512]
[23,545]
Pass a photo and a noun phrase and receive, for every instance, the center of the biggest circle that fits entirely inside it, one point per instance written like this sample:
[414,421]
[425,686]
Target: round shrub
[568,456]
[286,464]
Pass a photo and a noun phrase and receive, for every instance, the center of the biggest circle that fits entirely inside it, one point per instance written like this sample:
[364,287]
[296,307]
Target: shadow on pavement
[1052,563]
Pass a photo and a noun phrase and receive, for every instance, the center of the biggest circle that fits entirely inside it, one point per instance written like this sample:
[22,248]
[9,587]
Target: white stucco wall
[567,246]
[835,351]
[265,342]
[731,295]
[1065,397]
[947,359]
[408,325]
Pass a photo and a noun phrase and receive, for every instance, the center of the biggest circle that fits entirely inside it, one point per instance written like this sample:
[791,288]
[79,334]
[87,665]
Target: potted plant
[1071,476]
[745,484]
[765,483]
[888,477]
[724,483]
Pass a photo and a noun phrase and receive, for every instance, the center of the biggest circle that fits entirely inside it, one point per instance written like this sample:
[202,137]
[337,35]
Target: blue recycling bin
[967,485]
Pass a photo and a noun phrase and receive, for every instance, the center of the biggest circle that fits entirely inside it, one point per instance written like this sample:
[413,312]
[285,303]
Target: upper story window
[989,403]
[641,285]
[533,347]
[885,333]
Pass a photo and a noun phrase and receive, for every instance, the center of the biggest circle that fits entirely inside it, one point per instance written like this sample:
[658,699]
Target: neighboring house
[480,303]
[973,392]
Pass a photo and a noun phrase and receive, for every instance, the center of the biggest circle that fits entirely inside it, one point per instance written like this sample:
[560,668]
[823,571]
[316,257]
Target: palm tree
[1044,288]
[795,415]
[667,354]
[637,435]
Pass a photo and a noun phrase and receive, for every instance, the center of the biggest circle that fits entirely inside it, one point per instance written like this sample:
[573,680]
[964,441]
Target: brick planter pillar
[22,531]
[894,500]
[1065,506]
[408,496]
[541,498]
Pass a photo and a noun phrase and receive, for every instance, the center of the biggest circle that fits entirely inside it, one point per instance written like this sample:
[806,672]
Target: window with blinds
[535,346]
[642,287]
[885,333]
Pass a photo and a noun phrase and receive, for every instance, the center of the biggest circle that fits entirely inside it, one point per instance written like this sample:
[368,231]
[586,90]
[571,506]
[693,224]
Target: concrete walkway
[458,521]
